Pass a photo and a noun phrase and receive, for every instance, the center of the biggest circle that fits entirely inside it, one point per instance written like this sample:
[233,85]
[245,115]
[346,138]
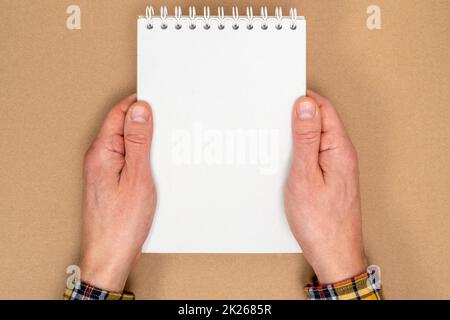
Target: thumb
[306,130]
[138,130]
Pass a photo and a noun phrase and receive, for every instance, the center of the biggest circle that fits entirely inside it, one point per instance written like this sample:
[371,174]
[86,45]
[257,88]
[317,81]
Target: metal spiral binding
[279,15]
[192,14]
[264,17]
[221,17]
[163,13]
[264,20]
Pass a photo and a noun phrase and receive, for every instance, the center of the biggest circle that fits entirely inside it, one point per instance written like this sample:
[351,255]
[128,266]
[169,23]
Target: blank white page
[222,102]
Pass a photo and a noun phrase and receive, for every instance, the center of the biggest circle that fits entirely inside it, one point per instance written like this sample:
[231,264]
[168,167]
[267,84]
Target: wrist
[340,268]
[106,276]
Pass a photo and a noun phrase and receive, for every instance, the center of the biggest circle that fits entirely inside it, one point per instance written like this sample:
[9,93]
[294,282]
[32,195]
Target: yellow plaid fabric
[362,287]
[83,291]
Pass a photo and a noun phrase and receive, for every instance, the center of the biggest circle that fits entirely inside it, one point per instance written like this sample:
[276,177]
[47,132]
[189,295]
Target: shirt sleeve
[362,287]
[83,291]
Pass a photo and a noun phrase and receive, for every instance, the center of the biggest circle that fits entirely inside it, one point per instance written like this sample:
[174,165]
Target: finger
[105,155]
[337,153]
[138,132]
[306,130]
[114,121]
[331,122]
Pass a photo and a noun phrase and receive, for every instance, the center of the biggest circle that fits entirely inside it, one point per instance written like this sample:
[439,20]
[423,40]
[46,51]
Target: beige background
[392,88]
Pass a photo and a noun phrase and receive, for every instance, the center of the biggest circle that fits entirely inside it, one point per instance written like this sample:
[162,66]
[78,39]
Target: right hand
[322,198]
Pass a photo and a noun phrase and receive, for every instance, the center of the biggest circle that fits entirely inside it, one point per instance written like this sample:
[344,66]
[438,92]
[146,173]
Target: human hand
[322,199]
[119,196]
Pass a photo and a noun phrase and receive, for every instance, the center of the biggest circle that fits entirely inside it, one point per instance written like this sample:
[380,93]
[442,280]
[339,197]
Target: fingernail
[139,114]
[306,110]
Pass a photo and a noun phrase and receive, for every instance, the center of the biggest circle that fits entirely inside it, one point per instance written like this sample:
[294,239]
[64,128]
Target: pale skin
[322,199]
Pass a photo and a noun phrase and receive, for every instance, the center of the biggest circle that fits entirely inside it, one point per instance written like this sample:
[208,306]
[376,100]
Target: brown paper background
[390,86]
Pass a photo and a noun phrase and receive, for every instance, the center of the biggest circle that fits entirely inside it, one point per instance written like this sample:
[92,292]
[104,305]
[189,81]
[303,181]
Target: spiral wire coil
[206,20]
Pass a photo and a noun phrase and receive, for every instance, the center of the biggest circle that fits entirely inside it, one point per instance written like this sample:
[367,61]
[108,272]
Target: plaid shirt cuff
[83,291]
[362,287]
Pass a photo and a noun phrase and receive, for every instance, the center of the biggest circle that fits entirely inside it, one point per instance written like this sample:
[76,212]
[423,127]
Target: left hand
[119,196]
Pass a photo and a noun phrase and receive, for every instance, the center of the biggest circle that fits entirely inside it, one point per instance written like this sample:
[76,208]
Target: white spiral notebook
[222,90]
